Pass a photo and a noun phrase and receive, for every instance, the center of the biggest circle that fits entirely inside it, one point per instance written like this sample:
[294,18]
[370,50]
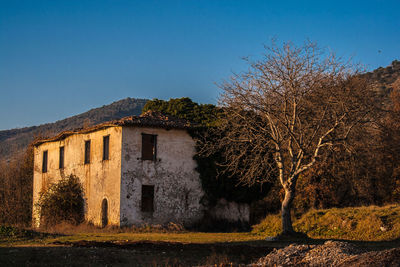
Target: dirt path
[132,254]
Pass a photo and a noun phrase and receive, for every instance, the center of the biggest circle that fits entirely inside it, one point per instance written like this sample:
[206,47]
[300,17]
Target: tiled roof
[149,119]
[154,119]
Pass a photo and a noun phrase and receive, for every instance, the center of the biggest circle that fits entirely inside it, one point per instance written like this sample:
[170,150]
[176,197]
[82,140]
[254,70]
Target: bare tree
[284,111]
[16,182]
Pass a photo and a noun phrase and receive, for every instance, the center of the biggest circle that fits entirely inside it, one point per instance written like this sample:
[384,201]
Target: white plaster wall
[100,179]
[178,189]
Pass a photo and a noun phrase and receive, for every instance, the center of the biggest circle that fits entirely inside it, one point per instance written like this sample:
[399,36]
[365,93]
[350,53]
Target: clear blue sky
[60,58]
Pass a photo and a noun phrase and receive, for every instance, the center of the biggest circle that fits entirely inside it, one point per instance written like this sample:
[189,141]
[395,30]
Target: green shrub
[62,202]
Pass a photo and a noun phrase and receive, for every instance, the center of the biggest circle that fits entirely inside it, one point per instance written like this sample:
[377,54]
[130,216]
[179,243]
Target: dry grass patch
[361,223]
[187,237]
[66,228]
[67,234]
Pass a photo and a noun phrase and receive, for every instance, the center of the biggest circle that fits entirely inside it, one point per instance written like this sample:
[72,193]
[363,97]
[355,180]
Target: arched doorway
[104,213]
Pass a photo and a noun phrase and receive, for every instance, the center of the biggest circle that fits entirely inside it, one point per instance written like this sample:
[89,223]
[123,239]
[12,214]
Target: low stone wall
[230,211]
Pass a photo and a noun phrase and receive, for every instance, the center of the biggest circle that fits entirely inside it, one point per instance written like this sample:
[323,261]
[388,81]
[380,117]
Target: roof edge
[149,119]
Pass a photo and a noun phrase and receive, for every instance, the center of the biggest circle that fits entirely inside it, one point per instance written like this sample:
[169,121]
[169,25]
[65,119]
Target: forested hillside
[385,77]
[15,141]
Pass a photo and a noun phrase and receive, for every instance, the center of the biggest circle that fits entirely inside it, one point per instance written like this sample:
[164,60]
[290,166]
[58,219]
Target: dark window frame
[106,147]
[87,152]
[149,146]
[61,158]
[147,198]
[45,159]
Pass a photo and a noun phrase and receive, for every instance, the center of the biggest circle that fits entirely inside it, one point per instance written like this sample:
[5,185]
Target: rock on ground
[331,253]
[385,258]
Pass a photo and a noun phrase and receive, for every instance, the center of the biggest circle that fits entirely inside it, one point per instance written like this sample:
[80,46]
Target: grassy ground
[36,238]
[361,223]
[373,228]
[130,249]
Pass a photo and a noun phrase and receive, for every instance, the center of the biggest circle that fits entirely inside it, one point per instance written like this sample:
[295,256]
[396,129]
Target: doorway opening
[104,213]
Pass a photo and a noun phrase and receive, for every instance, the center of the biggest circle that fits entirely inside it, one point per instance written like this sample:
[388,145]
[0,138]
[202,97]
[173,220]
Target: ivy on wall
[216,182]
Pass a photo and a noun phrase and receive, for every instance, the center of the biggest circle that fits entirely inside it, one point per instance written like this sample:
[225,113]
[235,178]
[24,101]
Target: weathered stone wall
[100,179]
[177,186]
[230,211]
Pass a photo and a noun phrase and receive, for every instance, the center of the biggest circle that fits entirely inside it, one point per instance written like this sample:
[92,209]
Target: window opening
[149,145]
[44,162]
[61,158]
[87,152]
[106,147]
[147,198]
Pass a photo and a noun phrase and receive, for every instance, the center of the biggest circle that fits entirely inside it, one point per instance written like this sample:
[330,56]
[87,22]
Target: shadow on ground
[121,253]
[132,254]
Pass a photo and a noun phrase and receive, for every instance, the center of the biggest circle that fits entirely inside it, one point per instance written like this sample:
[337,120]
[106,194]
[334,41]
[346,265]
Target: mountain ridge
[14,141]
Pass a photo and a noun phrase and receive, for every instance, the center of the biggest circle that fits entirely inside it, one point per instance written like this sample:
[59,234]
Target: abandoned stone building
[136,170]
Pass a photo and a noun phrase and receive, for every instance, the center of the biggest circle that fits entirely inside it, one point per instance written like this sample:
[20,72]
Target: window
[147,198]
[106,147]
[61,158]
[87,152]
[149,144]
[44,162]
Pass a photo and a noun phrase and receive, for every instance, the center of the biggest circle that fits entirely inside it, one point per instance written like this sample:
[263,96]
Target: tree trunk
[287,227]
